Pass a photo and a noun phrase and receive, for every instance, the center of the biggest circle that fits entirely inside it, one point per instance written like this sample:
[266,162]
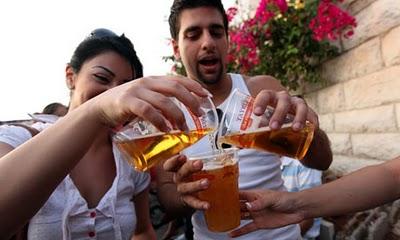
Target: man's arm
[319,155]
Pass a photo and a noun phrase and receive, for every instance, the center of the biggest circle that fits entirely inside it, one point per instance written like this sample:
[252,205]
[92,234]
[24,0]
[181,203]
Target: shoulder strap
[239,82]
[31,130]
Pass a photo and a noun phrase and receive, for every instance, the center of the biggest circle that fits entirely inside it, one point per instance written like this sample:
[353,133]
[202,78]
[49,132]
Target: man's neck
[220,90]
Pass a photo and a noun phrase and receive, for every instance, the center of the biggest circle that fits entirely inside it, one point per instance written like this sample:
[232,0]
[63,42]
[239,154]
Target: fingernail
[274,125]
[206,206]
[248,205]
[185,128]
[182,158]
[208,93]
[166,129]
[258,110]
[204,183]
[197,164]
[297,126]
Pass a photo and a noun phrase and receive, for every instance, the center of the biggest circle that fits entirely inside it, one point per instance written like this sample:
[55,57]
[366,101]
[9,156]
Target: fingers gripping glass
[143,145]
[241,128]
[222,171]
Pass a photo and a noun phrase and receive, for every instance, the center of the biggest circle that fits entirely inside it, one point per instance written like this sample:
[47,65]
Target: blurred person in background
[297,177]
[55,108]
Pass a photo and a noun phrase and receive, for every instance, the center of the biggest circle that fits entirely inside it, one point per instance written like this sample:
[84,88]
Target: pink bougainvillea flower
[282,5]
[331,21]
[231,13]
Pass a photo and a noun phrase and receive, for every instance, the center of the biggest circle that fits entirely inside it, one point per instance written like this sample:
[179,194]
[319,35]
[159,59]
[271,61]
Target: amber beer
[284,141]
[146,151]
[223,197]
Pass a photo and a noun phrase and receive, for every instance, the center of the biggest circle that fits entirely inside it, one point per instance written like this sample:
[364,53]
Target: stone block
[373,90]
[377,18]
[357,62]
[378,119]
[378,146]
[312,101]
[391,47]
[346,3]
[326,122]
[359,5]
[331,99]
[343,165]
[313,87]
[340,143]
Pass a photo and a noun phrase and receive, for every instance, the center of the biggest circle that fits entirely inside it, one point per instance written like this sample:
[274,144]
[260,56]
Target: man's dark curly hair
[179,5]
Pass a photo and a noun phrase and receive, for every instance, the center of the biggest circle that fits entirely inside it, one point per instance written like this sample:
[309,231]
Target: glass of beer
[143,145]
[241,128]
[220,167]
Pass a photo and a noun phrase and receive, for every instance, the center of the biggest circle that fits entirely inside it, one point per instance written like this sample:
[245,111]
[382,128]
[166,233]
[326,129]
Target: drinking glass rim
[213,153]
[119,133]
[222,121]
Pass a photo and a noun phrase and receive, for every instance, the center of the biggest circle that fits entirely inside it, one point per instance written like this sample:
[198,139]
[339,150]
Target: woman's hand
[148,98]
[267,209]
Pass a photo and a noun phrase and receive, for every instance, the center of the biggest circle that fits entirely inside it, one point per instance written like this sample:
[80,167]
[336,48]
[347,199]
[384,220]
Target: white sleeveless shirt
[257,170]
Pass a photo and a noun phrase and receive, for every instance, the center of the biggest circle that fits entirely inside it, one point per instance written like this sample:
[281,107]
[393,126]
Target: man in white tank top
[199,37]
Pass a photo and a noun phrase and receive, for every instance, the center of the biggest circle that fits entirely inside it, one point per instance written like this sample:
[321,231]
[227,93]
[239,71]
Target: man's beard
[202,78]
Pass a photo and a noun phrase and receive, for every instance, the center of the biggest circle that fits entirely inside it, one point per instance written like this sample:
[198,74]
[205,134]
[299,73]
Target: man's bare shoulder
[261,82]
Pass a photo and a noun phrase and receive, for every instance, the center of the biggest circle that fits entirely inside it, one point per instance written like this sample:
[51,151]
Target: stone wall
[359,107]
[359,104]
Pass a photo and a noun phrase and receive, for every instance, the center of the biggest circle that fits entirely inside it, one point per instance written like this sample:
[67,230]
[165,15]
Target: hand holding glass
[241,128]
[221,169]
[143,145]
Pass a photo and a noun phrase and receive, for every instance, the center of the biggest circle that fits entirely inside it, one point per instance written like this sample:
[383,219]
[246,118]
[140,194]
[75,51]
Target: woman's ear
[70,77]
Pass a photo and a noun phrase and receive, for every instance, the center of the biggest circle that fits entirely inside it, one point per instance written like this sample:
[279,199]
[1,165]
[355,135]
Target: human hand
[148,98]
[187,189]
[284,104]
[267,209]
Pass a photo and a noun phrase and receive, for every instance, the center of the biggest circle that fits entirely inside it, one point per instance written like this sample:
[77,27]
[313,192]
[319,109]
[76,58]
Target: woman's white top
[66,215]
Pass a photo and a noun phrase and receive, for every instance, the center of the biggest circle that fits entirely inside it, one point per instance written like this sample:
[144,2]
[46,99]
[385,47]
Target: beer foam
[214,165]
[219,162]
